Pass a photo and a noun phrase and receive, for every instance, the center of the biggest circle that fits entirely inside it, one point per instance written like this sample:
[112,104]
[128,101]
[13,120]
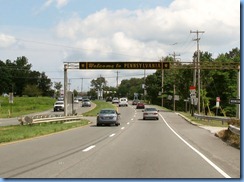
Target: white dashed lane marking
[112,135]
[88,148]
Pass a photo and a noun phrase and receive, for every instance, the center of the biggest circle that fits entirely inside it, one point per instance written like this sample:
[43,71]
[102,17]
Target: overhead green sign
[123,65]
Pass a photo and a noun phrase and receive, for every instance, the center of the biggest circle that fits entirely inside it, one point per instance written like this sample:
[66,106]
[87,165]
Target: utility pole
[117,79]
[144,87]
[174,55]
[65,89]
[162,86]
[81,88]
[198,69]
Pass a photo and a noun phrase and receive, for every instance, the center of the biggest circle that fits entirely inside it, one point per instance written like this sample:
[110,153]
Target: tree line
[220,83]
[17,77]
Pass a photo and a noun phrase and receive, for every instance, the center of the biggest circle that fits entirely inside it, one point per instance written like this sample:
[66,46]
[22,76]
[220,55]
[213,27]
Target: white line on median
[88,148]
[195,150]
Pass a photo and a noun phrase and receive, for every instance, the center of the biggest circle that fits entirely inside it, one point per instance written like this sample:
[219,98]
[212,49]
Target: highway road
[166,148]
[77,107]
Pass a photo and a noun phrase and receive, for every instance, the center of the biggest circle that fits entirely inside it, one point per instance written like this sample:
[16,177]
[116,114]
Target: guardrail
[229,120]
[234,129]
[28,120]
[218,118]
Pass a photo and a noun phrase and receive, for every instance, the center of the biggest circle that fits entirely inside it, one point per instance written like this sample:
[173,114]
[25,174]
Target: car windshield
[150,109]
[107,112]
[59,103]
[86,100]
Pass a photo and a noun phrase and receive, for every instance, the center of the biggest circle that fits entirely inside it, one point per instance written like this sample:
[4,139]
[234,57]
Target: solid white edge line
[195,150]
[88,148]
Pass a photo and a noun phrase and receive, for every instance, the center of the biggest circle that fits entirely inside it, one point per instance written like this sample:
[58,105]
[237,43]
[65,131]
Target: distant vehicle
[76,101]
[123,102]
[134,102]
[150,113]
[58,106]
[85,98]
[60,99]
[140,105]
[79,98]
[86,103]
[108,117]
[109,99]
[115,100]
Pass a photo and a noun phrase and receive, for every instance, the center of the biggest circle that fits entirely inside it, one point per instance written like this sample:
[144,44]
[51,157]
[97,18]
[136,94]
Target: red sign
[192,88]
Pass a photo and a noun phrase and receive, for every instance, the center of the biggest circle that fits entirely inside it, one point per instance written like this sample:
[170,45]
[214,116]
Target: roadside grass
[20,132]
[99,105]
[24,105]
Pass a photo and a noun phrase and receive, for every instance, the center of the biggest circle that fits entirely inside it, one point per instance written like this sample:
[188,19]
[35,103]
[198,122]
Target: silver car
[150,113]
[86,103]
[108,117]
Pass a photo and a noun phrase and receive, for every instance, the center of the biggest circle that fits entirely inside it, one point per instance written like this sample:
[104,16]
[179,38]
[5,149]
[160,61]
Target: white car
[115,100]
[123,102]
[58,106]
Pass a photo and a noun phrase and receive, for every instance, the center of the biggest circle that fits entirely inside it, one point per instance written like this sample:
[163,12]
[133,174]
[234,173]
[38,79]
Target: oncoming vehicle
[115,100]
[135,102]
[123,102]
[150,113]
[108,117]
[86,103]
[58,106]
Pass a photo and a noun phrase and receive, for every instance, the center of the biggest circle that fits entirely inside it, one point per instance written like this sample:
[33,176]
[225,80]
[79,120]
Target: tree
[32,91]
[127,88]
[16,75]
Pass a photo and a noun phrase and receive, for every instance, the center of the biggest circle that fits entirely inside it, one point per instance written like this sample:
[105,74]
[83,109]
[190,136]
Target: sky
[52,32]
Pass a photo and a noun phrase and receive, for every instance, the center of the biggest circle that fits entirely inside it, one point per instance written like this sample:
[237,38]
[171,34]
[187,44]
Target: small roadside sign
[234,101]
[11,98]
[192,88]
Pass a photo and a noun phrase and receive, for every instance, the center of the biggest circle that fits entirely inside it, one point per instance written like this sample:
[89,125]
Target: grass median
[99,105]
[19,132]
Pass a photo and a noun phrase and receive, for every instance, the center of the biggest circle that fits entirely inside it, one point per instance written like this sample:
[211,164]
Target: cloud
[150,33]
[6,40]
[59,3]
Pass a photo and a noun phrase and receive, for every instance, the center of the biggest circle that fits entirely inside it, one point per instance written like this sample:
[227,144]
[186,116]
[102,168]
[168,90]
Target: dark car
[86,103]
[140,105]
[109,99]
[135,102]
[108,117]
